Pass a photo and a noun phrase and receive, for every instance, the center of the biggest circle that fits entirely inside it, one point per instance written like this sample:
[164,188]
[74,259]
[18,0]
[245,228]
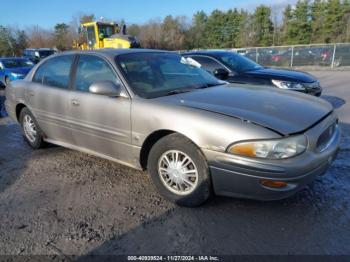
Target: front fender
[207,130]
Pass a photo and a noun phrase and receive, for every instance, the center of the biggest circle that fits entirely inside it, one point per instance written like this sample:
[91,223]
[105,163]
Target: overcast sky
[48,13]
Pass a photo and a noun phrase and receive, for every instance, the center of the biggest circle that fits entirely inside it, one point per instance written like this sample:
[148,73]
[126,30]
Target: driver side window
[207,63]
[92,69]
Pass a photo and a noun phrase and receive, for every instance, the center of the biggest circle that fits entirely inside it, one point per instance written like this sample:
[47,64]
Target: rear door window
[207,63]
[55,72]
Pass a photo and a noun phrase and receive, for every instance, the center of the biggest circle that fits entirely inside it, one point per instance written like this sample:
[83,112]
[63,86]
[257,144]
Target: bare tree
[39,37]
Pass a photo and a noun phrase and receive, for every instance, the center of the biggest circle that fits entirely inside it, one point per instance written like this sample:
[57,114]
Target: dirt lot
[58,201]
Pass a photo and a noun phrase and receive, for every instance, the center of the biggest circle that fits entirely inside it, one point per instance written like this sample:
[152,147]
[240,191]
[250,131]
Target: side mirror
[221,73]
[106,88]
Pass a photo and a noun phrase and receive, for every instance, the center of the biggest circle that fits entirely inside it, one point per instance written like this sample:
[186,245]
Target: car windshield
[153,74]
[14,63]
[237,62]
[45,53]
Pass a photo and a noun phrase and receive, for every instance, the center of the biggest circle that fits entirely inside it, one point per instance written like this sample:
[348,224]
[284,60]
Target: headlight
[272,149]
[15,74]
[288,85]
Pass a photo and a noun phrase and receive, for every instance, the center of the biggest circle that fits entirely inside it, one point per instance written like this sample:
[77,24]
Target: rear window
[46,53]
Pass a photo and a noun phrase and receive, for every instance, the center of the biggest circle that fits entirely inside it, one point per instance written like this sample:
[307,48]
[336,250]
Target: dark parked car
[36,54]
[263,57]
[342,55]
[323,55]
[235,68]
[301,57]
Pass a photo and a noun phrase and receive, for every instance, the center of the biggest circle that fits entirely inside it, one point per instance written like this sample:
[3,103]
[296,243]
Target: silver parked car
[195,135]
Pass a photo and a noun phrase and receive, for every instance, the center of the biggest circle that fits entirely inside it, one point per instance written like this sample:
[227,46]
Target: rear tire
[30,129]
[179,171]
[7,81]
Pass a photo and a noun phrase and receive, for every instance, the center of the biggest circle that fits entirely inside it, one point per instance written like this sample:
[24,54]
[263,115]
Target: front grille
[326,137]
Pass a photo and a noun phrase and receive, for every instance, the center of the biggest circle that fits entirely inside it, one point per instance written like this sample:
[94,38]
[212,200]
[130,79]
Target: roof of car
[112,51]
[12,58]
[40,49]
[206,52]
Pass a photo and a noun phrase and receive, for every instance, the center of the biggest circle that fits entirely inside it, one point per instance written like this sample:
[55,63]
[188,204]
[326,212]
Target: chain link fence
[325,55]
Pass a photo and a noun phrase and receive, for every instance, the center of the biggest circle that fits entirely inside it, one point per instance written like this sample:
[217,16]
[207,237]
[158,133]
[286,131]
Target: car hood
[282,74]
[284,112]
[20,70]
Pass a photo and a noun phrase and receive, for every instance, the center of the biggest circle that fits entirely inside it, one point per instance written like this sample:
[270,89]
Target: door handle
[75,102]
[31,94]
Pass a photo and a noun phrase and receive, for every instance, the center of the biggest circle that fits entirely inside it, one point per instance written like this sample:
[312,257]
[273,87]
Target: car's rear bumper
[243,177]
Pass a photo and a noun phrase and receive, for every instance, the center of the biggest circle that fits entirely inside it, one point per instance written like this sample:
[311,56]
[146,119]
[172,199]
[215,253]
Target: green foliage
[216,30]
[286,26]
[317,21]
[307,22]
[299,27]
[194,36]
[346,21]
[5,42]
[61,31]
[263,27]
[12,41]
[317,13]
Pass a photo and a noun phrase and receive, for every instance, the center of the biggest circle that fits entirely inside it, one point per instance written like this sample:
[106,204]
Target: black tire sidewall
[38,143]
[7,81]
[179,142]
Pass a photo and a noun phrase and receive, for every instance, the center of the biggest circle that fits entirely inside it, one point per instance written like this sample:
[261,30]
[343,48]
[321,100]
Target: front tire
[179,171]
[30,129]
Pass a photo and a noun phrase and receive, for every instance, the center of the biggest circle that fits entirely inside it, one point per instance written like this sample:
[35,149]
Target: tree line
[307,22]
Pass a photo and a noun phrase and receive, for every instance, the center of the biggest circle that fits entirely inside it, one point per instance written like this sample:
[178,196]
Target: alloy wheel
[178,172]
[29,128]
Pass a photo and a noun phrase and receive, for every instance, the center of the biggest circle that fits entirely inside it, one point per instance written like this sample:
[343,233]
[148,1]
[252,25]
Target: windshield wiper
[186,90]
[208,85]
[177,91]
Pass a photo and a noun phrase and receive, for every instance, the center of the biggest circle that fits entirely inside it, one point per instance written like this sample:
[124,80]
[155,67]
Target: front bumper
[17,77]
[313,88]
[314,91]
[236,176]
[311,91]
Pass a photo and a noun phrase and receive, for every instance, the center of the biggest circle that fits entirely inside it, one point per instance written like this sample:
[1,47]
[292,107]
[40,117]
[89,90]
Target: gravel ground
[61,202]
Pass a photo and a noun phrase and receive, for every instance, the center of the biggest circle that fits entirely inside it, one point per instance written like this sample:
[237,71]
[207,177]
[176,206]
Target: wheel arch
[19,108]
[153,138]
[6,76]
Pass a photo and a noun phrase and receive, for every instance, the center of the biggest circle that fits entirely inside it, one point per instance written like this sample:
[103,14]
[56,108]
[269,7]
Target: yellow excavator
[96,35]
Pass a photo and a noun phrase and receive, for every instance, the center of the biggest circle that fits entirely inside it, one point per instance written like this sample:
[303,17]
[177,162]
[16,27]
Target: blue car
[13,69]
